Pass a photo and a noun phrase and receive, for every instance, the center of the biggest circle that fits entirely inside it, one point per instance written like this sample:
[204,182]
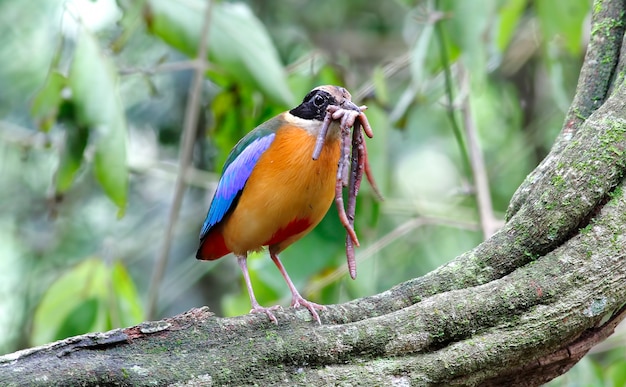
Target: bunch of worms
[352,164]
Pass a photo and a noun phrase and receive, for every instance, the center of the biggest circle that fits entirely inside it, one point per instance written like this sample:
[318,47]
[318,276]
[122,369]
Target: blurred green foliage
[92,109]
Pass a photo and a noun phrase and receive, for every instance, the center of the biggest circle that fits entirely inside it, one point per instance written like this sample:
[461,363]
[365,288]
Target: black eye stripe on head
[313,106]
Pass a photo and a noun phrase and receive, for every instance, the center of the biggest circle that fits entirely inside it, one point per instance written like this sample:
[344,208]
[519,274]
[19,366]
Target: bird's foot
[268,311]
[297,301]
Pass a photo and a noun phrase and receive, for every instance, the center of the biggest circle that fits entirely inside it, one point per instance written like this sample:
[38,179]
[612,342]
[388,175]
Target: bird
[272,192]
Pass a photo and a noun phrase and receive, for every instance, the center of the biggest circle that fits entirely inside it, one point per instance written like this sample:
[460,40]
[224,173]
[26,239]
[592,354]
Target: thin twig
[188,138]
[472,159]
[303,62]
[192,64]
[388,70]
[169,172]
[445,63]
[488,221]
[22,136]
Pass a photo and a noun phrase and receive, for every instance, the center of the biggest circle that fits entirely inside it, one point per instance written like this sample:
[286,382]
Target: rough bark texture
[519,309]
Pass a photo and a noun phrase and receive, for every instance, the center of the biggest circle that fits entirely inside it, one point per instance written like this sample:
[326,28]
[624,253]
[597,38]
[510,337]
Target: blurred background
[92,113]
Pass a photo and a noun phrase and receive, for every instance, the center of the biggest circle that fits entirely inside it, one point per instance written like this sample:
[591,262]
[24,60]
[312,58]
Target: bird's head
[310,113]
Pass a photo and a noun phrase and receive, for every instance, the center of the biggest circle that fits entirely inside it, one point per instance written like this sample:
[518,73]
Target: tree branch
[594,84]
[478,333]
[488,221]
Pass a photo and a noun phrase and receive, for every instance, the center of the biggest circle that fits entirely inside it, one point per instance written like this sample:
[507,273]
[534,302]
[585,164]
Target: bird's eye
[319,101]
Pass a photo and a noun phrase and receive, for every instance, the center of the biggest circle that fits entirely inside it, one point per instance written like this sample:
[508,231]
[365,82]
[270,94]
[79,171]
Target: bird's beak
[349,105]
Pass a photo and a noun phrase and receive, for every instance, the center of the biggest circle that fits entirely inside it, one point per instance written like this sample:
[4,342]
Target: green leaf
[509,17]
[420,52]
[238,42]
[128,302]
[65,296]
[79,320]
[616,374]
[111,168]
[563,19]
[467,28]
[45,107]
[71,156]
[93,82]
[237,304]
[91,296]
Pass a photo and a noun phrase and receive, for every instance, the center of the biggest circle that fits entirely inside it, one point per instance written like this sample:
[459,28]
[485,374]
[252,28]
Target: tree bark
[519,309]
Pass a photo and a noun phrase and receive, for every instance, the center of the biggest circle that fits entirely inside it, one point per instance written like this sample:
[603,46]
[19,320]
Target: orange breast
[287,194]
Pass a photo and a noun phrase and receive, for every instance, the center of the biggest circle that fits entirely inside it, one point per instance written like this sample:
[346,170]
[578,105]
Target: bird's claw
[297,302]
[267,311]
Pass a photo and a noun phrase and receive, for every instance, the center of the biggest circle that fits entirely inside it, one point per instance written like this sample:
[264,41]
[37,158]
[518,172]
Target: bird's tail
[212,247]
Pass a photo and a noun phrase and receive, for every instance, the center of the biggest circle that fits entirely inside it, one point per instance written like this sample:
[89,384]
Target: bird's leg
[296,299]
[256,308]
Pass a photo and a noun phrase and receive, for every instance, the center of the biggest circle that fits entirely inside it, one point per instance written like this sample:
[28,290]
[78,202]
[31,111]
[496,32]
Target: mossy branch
[472,335]
[603,63]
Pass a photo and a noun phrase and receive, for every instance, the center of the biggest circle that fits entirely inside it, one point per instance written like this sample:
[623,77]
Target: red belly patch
[294,227]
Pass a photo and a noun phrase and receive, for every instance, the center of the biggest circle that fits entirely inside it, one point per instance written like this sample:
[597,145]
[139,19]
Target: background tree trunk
[519,309]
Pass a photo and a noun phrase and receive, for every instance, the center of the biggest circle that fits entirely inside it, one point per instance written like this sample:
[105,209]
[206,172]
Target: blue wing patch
[233,180]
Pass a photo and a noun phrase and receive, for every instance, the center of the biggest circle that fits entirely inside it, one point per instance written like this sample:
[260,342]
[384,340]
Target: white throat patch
[312,126]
